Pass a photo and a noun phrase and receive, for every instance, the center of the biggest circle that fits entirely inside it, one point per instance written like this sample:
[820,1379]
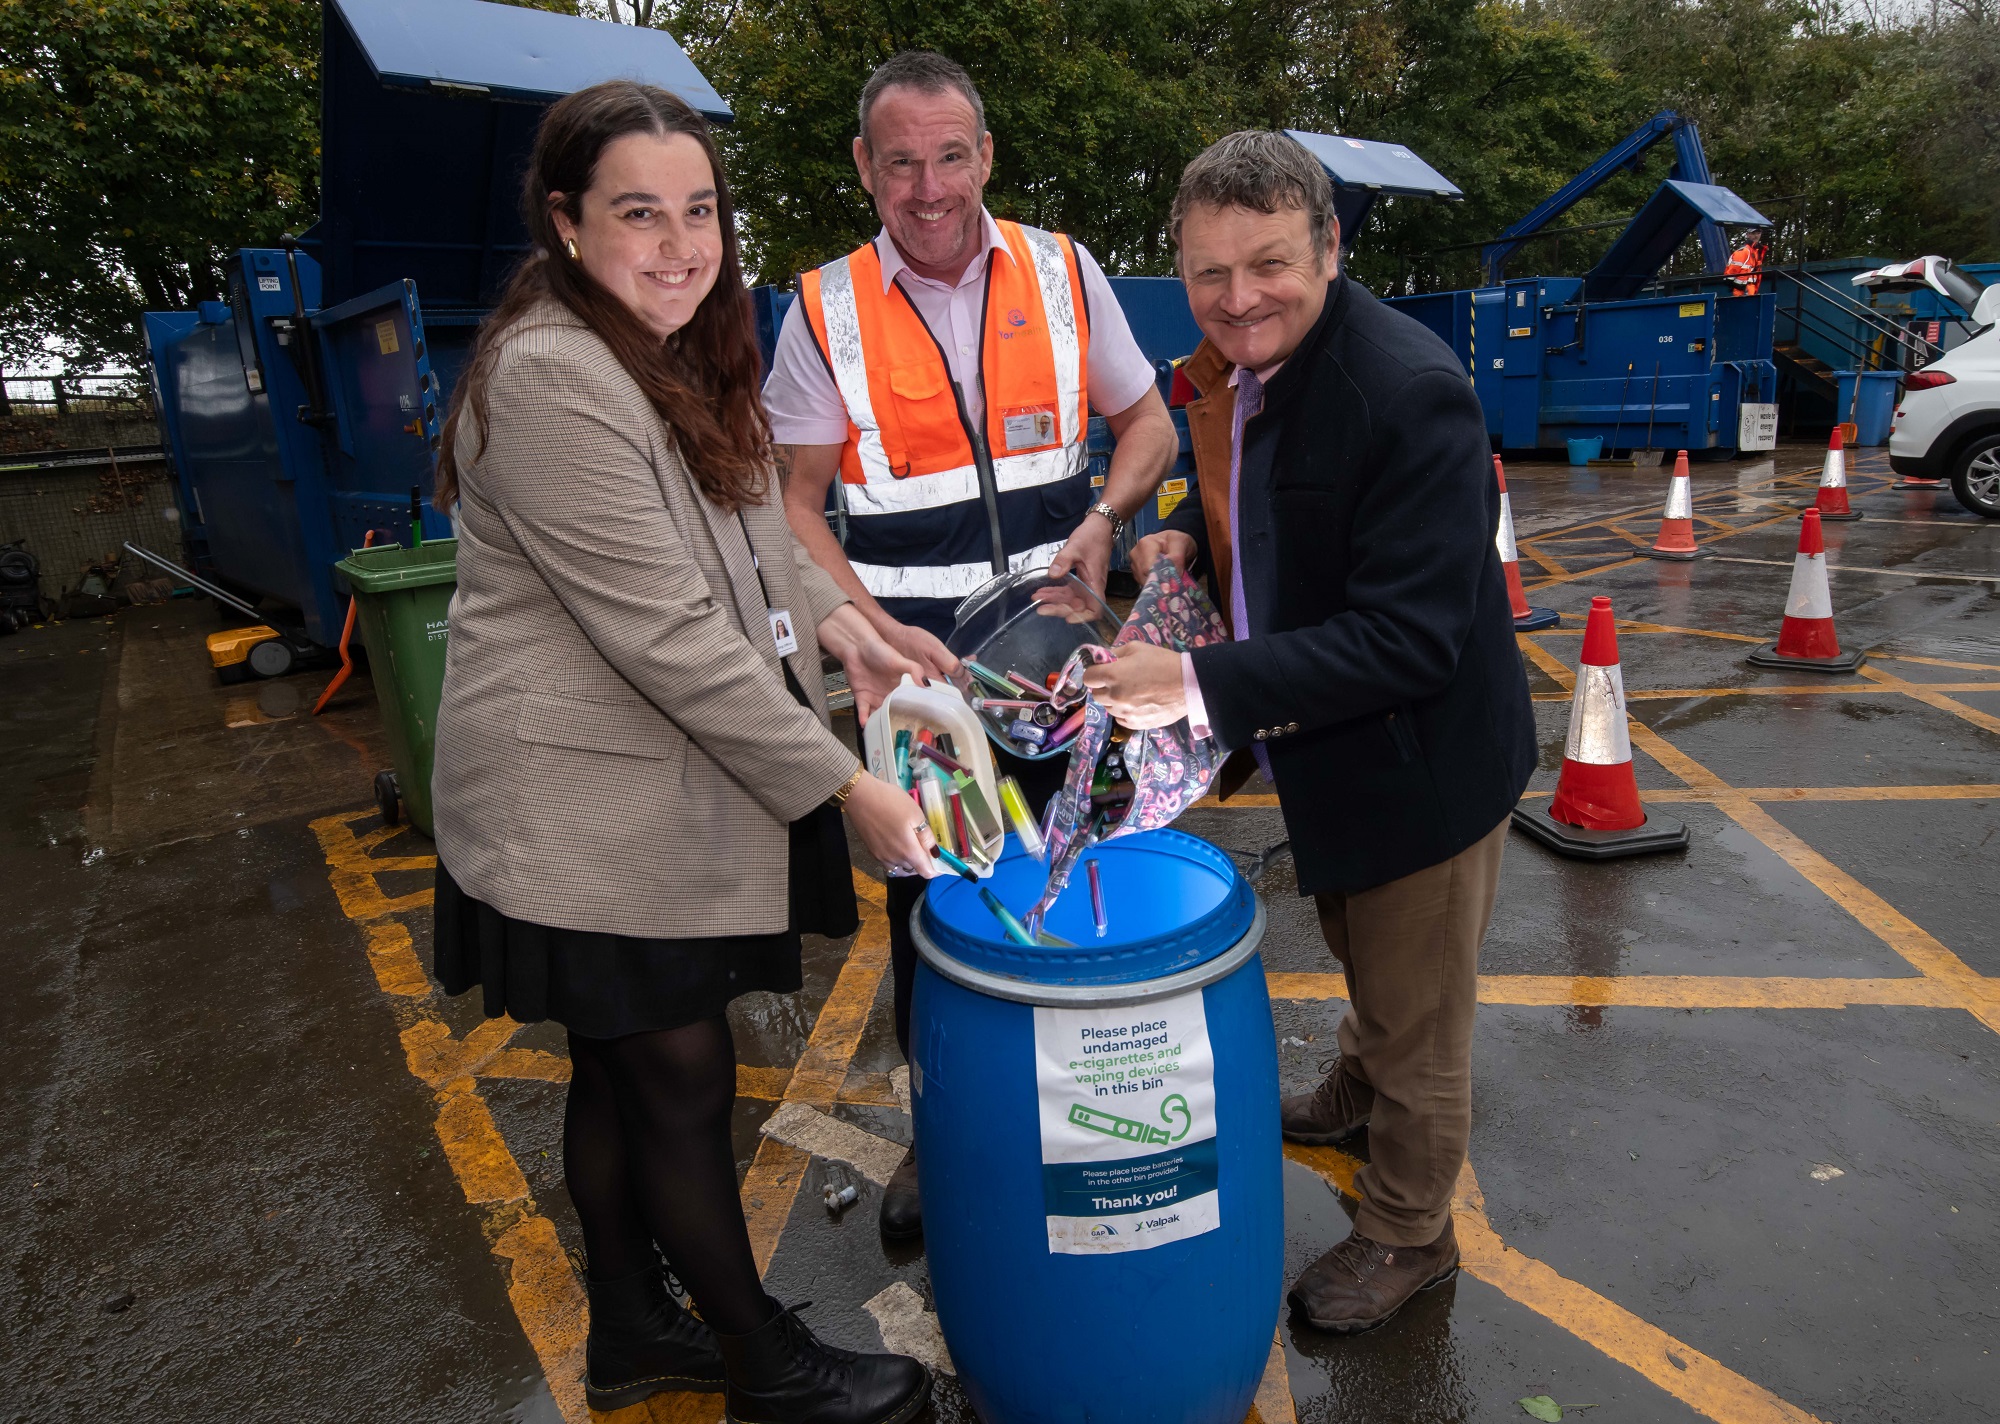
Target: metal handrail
[1916,349]
[1862,356]
[1916,346]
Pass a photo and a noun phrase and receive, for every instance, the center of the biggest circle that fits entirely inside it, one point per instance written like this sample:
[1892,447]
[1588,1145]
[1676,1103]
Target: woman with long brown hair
[638,796]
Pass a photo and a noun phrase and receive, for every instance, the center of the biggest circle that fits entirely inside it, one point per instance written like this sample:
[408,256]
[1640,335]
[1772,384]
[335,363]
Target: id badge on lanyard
[784,633]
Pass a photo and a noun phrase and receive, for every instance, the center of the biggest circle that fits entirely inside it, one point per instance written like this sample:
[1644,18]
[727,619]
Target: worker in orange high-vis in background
[945,372]
[1746,264]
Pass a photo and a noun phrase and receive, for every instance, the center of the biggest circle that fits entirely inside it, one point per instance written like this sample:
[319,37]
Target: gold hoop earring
[569,246]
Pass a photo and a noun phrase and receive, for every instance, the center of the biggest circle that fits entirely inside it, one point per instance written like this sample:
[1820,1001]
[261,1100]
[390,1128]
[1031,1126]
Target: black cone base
[1657,834]
[1824,517]
[1536,620]
[1765,655]
[1676,558]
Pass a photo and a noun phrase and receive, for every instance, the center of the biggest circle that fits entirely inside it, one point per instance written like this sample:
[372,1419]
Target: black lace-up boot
[781,1374]
[642,1343]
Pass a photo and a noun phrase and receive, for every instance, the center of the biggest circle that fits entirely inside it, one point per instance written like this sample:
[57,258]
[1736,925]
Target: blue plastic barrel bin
[1584,449]
[1875,411]
[1102,1196]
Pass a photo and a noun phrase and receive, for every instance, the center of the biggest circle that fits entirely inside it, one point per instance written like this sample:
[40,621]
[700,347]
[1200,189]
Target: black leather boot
[781,1374]
[642,1343]
[902,1205]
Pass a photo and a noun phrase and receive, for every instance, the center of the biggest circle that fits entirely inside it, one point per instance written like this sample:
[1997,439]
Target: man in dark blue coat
[1347,521]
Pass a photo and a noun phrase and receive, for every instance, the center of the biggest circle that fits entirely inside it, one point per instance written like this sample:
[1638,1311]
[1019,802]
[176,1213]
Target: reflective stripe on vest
[907,471]
[946,580]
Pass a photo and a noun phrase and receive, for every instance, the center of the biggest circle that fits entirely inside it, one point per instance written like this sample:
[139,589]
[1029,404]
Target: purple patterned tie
[1249,401]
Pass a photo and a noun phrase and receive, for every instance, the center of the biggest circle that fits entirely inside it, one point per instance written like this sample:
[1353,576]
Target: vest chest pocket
[926,418]
[920,382]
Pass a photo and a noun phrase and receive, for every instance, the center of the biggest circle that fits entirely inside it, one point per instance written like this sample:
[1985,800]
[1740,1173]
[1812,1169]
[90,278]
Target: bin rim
[417,573]
[1078,996]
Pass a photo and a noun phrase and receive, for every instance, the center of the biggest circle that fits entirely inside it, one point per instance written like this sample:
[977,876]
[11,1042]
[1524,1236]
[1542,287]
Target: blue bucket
[1098,1126]
[1583,451]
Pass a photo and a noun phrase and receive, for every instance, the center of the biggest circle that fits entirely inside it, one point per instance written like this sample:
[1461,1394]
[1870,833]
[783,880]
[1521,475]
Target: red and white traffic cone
[1806,639]
[1831,501]
[1595,813]
[1526,619]
[1677,525]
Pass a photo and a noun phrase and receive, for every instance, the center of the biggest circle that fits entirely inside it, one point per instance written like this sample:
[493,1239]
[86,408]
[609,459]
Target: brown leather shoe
[1333,1112]
[1360,1283]
[902,1212]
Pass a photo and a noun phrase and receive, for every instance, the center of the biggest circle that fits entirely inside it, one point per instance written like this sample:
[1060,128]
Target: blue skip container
[1098,1126]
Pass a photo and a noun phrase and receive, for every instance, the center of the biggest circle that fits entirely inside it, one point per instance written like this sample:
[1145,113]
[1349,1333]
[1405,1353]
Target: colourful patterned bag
[1170,768]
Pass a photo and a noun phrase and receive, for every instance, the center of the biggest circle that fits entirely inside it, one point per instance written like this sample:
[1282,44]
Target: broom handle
[1623,391]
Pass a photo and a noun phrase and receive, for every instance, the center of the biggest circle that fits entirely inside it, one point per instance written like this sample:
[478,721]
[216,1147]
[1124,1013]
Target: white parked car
[1948,422]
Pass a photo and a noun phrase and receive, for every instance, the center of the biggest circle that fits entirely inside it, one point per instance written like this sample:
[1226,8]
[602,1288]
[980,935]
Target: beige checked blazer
[616,749]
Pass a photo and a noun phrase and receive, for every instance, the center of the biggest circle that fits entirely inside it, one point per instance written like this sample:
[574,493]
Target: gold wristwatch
[847,787]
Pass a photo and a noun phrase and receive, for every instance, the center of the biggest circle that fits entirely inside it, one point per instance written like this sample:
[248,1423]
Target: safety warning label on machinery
[1127,1102]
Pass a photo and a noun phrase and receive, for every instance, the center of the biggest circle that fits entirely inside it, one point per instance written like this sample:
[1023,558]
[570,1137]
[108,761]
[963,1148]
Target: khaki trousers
[1410,951]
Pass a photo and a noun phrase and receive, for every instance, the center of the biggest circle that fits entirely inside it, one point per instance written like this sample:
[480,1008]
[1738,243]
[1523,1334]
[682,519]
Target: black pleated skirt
[607,985]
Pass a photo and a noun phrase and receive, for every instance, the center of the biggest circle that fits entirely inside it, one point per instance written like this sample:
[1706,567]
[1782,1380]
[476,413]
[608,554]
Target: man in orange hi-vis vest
[1746,264]
[945,372]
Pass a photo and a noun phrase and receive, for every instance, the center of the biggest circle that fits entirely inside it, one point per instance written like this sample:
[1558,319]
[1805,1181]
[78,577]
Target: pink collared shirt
[805,406]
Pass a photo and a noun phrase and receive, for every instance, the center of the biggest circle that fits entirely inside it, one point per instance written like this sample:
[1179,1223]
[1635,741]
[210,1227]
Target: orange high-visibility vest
[1746,270]
[918,524]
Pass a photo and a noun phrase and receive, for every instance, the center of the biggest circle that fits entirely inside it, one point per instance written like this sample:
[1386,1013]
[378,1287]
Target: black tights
[647,1153]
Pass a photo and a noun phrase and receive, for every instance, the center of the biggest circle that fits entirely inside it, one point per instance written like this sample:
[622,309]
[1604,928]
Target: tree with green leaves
[1097,105]
[140,141]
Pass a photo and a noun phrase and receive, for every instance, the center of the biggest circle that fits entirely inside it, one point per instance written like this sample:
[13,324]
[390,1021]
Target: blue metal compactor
[1559,358]
[303,412]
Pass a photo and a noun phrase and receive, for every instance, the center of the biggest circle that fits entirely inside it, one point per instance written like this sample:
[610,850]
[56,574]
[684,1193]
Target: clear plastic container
[1026,623]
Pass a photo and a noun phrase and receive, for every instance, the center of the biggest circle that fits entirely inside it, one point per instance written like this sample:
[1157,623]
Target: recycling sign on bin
[1127,1106]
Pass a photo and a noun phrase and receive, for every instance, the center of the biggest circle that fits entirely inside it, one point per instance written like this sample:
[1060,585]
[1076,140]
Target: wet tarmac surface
[1736,1146]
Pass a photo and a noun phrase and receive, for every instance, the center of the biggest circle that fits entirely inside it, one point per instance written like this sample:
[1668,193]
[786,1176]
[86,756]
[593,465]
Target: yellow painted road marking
[1973,992]
[1662,991]
[1932,694]
[1529,548]
[1863,569]
[1635,626]
[1977,791]
[541,1284]
[1699,1381]
[1936,662]
[771,1185]
[1817,689]
[1530,586]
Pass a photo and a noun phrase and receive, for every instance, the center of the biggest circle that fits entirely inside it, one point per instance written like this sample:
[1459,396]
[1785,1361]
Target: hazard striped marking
[1969,990]
[1932,694]
[1703,1383]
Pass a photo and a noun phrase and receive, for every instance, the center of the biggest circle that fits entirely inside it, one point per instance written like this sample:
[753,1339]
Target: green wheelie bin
[402,601]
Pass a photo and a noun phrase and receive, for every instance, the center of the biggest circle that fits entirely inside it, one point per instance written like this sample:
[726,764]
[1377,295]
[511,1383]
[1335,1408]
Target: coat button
[1262,734]
[1291,726]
